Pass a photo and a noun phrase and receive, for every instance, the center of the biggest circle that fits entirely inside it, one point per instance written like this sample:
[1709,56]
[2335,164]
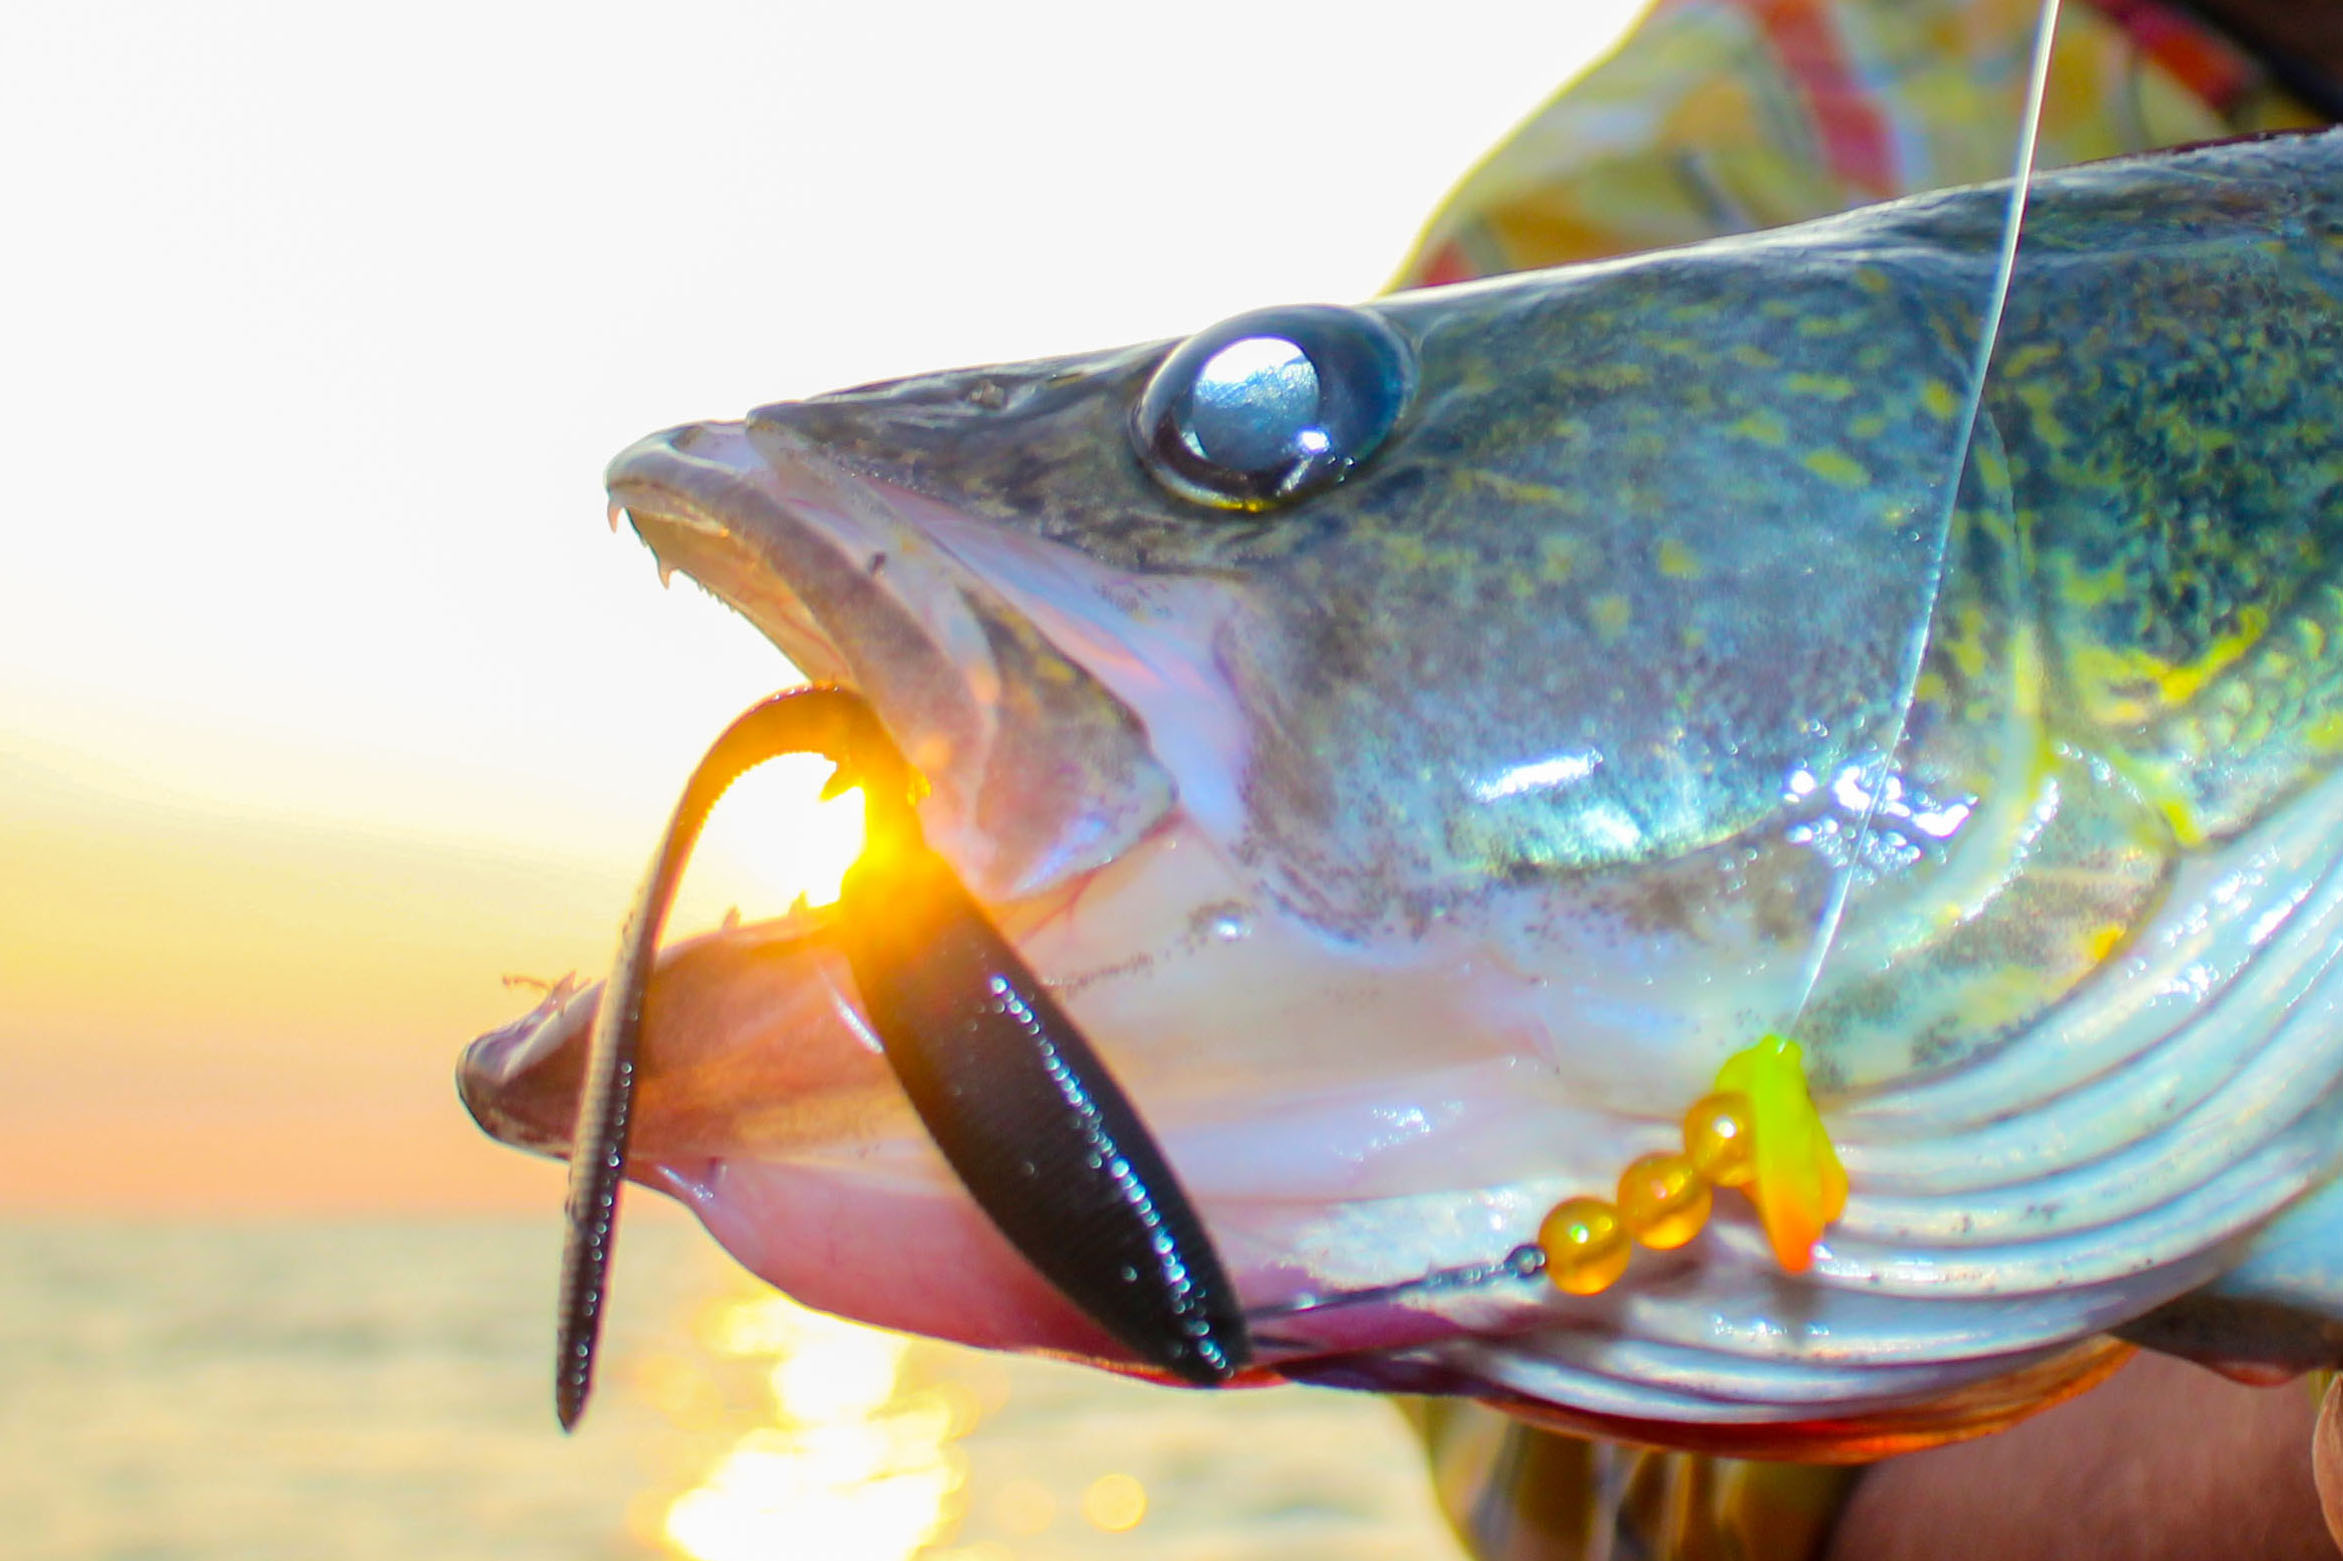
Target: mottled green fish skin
[1677,517]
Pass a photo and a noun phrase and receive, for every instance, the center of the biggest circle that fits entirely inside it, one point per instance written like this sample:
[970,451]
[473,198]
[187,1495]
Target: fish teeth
[802,920]
[617,513]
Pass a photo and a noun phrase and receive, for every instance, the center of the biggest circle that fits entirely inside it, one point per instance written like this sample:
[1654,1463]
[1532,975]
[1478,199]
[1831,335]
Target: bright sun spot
[772,840]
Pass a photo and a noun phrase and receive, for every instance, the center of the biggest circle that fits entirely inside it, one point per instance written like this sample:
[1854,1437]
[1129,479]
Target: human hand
[2165,1460]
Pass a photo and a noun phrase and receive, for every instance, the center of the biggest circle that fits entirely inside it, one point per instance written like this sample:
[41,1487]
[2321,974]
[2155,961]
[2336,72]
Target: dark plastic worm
[1024,1111]
[1027,1114]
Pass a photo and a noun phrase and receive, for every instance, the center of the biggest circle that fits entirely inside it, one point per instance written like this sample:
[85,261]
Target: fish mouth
[763,1100]
[765,1105]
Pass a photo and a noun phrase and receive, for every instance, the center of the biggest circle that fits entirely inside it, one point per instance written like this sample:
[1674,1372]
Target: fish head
[1324,775]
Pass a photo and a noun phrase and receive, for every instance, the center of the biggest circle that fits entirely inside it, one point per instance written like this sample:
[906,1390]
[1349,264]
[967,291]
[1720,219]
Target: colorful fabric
[1724,116]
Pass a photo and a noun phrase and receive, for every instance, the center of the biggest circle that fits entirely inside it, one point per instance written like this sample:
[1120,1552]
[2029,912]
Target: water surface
[201,1392]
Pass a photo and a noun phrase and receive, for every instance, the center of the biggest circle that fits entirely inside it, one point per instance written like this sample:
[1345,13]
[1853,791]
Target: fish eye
[1272,406]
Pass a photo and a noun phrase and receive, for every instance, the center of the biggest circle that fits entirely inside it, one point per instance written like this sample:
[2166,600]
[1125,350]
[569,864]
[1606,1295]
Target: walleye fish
[1418,743]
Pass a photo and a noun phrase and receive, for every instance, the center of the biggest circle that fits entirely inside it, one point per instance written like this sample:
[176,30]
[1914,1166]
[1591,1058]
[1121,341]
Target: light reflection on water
[379,1391]
[853,1467]
[796,1434]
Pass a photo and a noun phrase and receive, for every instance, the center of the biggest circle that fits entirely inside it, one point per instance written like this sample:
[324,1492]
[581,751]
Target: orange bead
[1585,1245]
[1662,1201]
[1716,1139]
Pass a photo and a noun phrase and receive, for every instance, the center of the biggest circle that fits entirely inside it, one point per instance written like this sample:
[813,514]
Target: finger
[2326,1458]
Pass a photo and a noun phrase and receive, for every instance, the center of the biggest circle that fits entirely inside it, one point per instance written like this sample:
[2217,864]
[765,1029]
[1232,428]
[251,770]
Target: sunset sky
[326,699]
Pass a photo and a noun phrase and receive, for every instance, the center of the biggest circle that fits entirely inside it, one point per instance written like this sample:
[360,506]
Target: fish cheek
[1070,782]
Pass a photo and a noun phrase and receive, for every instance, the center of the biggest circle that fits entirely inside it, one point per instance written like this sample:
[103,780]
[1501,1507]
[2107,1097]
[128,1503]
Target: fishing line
[1981,363]
[1526,1261]
[1821,1184]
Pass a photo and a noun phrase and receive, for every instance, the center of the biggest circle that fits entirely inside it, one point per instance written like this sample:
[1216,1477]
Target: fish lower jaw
[1305,1199]
[923,1259]
[919,1260]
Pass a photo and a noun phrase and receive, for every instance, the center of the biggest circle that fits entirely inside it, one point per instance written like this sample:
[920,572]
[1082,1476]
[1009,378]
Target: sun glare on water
[854,1465]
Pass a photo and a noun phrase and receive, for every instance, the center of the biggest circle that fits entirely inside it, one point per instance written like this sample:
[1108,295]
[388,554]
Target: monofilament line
[1981,363]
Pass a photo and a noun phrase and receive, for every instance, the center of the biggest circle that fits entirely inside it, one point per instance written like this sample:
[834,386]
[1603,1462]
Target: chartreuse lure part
[1758,1130]
[1795,1177]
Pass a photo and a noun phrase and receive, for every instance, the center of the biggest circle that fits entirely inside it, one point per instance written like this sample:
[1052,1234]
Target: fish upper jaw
[1036,771]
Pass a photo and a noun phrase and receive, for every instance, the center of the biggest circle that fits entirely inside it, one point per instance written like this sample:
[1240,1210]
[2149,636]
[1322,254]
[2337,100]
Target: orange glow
[206,1008]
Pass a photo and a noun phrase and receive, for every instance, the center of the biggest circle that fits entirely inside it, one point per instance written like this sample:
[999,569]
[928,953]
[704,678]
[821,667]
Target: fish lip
[495,1065]
[518,1083]
[805,565]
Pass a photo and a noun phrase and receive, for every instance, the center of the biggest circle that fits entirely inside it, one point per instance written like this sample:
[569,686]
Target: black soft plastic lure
[1023,1109]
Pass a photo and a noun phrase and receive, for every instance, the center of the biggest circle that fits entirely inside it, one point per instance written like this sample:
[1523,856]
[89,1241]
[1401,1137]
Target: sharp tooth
[617,513]
[803,919]
[666,574]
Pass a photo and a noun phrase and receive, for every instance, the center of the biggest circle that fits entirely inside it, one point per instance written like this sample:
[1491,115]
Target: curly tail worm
[1023,1109]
